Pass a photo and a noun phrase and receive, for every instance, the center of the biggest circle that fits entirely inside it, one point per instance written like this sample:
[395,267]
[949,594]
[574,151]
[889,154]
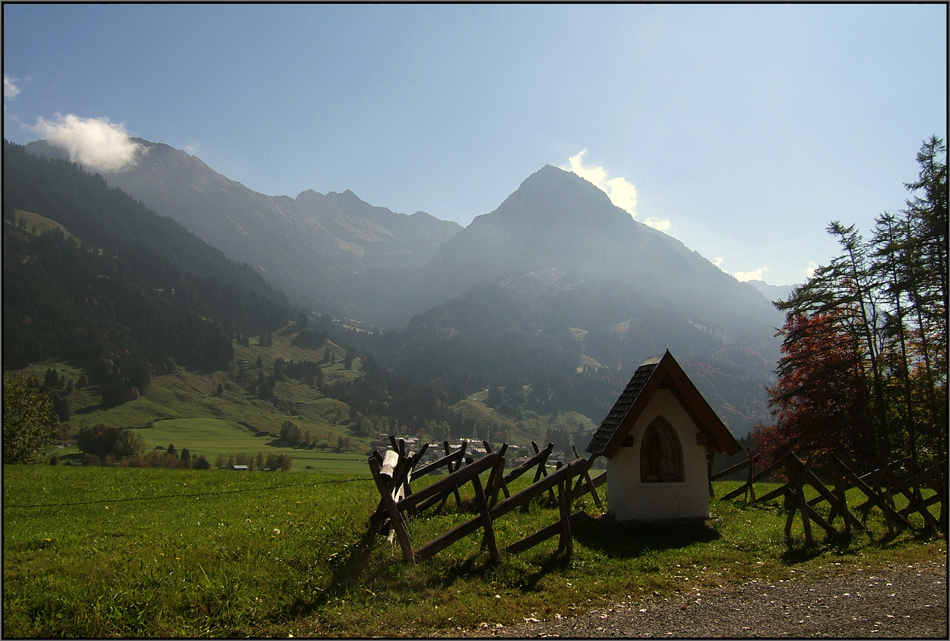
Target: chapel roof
[660,372]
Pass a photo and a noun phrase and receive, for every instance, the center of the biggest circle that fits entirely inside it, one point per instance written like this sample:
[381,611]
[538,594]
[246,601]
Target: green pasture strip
[116,552]
[212,437]
[189,395]
[37,224]
[203,436]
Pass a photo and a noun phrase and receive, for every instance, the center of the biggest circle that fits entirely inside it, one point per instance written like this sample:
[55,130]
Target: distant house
[656,439]
[239,467]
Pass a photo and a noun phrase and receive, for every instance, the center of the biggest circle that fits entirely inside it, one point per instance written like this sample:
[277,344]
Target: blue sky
[740,130]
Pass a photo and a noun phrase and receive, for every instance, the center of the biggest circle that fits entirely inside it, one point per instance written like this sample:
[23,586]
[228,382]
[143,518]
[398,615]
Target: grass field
[185,409]
[97,552]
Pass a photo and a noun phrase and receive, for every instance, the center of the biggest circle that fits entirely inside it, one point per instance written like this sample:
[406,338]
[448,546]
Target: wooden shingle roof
[660,372]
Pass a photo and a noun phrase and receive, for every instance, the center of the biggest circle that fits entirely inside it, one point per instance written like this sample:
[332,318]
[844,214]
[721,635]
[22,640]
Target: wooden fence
[879,487]
[395,470]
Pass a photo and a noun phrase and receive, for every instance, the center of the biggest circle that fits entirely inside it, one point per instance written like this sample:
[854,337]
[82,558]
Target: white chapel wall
[628,498]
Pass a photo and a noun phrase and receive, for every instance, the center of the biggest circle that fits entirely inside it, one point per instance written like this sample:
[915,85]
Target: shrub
[28,420]
[104,440]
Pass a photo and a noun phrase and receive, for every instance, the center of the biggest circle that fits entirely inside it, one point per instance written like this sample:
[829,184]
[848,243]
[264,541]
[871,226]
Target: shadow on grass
[796,553]
[621,539]
[350,568]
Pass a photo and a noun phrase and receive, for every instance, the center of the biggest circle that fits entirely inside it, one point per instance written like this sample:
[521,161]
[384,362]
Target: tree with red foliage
[864,350]
[820,399]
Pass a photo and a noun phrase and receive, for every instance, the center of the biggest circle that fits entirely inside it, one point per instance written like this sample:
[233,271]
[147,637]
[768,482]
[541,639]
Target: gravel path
[905,601]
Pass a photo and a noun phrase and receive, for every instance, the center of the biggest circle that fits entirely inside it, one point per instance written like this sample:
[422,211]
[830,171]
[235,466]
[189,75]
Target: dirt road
[898,601]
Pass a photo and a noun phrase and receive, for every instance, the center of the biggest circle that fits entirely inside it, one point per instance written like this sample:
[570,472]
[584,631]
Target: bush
[28,420]
[104,440]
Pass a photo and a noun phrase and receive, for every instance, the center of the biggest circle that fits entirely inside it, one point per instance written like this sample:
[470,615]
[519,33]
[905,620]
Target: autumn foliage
[863,371]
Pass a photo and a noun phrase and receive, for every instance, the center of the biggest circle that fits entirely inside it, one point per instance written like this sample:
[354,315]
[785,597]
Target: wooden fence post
[798,494]
[542,470]
[938,473]
[496,481]
[454,468]
[564,508]
[840,492]
[489,537]
[395,517]
[751,477]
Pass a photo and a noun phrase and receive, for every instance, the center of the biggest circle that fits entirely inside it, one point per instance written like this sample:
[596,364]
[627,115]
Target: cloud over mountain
[95,143]
[755,274]
[621,192]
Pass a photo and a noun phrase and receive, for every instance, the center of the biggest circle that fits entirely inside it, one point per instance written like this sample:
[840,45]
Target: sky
[740,130]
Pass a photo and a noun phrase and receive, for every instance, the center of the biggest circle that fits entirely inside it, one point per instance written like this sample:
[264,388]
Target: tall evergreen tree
[864,351]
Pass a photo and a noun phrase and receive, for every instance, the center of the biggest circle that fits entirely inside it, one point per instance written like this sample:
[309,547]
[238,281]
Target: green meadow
[140,552]
[213,437]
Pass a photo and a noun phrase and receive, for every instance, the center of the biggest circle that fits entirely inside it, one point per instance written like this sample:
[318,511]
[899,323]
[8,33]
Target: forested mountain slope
[126,292]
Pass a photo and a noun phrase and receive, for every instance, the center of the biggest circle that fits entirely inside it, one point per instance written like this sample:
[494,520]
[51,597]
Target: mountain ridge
[296,250]
[555,261]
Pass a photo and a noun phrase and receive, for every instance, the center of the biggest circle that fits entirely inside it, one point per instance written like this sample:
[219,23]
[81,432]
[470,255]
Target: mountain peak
[554,196]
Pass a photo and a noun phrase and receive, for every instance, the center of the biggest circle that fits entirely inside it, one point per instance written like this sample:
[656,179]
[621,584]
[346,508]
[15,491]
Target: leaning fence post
[489,536]
[496,480]
[586,477]
[394,516]
[454,468]
[840,492]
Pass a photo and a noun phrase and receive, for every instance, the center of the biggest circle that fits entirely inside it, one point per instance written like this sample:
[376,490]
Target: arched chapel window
[661,459]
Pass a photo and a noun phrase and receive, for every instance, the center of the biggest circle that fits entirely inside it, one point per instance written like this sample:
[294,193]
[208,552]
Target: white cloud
[718,261]
[93,142]
[755,274]
[10,87]
[621,192]
[661,225]
[810,271]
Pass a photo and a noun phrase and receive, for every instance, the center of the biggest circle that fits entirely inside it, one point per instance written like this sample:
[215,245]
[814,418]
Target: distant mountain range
[772,292]
[308,246]
[555,284]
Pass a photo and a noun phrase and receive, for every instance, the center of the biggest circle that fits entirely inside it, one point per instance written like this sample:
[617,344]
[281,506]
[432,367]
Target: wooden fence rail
[879,487]
[394,471]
